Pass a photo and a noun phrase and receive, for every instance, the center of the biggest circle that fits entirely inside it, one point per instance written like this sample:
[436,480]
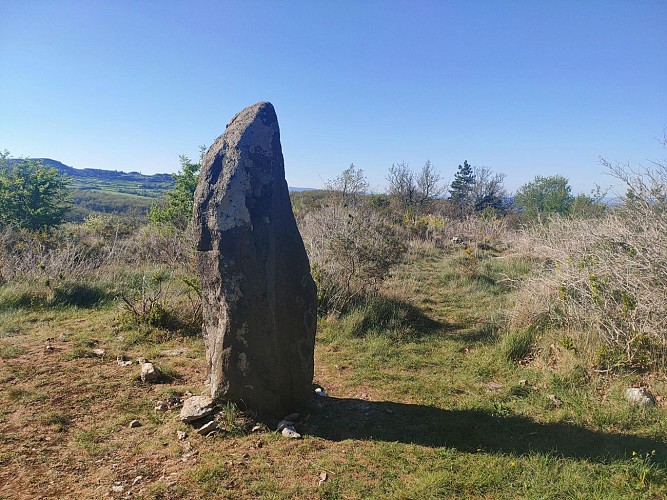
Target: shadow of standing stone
[259,298]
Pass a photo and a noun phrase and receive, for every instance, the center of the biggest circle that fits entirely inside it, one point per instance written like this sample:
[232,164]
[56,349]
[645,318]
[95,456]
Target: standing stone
[260,301]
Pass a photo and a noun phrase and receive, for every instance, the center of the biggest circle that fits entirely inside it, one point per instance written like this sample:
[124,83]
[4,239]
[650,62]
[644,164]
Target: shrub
[351,250]
[609,274]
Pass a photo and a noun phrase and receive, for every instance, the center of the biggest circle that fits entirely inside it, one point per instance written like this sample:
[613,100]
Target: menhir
[259,299]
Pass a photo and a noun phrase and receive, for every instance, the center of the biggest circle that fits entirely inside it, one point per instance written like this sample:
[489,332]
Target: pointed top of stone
[262,109]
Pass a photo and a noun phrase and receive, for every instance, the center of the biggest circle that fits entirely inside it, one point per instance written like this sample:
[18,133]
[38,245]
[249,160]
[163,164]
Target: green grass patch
[11,351]
[516,345]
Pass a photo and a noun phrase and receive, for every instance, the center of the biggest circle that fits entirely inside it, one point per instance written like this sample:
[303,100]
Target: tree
[413,190]
[462,185]
[349,187]
[402,186]
[179,201]
[488,192]
[545,195]
[428,184]
[32,196]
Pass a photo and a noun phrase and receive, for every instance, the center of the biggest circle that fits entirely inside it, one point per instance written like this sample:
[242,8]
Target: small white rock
[290,432]
[554,400]
[99,352]
[321,392]
[207,427]
[117,488]
[161,406]
[122,361]
[196,407]
[149,373]
[134,424]
[181,435]
[637,395]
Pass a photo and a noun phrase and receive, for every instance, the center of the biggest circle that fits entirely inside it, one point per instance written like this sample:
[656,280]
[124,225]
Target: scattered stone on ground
[174,402]
[323,477]
[181,435]
[494,386]
[290,432]
[523,382]
[117,488]
[196,407]
[209,426]
[556,402]
[123,361]
[253,266]
[640,396]
[137,479]
[161,406]
[320,391]
[49,348]
[257,428]
[149,373]
[135,423]
[99,352]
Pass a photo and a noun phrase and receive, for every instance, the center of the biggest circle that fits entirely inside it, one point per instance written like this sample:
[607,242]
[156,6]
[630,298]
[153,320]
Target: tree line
[34,196]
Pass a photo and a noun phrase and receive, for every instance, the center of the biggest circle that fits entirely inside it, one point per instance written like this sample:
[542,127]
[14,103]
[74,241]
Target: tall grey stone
[260,301]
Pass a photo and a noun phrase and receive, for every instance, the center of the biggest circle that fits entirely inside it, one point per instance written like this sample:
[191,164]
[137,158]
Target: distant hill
[112,191]
[151,186]
[89,179]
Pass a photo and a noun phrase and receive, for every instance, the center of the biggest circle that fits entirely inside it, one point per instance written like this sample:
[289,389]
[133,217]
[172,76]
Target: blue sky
[523,87]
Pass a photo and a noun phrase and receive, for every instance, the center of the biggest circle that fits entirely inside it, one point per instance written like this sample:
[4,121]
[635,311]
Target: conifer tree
[462,185]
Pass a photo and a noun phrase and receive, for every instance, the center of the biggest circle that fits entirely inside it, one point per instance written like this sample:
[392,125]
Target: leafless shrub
[610,274]
[351,250]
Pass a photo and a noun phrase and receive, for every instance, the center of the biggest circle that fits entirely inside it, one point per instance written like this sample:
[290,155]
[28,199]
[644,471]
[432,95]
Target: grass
[516,345]
[11,351]
[430,396]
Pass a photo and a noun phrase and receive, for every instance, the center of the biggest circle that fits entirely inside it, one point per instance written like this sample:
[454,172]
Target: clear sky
[524,87]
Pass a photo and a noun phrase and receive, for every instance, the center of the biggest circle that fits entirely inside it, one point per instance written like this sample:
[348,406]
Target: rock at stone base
[259,298]
[290,432]
[196,407]
[149,373]
[637,395]
[207,427]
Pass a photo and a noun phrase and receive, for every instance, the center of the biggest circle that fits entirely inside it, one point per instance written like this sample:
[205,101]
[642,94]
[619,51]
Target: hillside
[95,179]
[95,190]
